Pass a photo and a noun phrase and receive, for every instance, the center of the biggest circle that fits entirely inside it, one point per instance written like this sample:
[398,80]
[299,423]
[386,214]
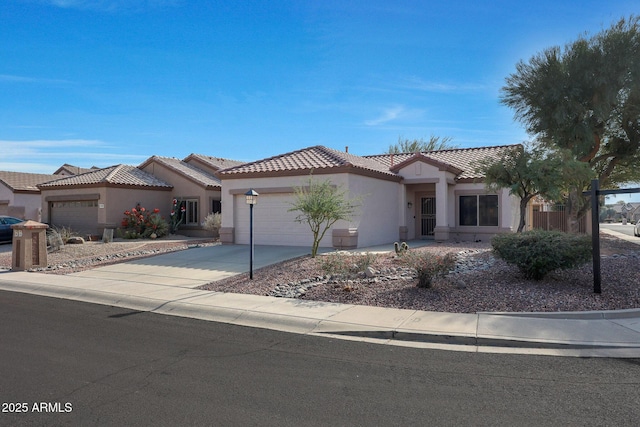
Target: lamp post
[252,199]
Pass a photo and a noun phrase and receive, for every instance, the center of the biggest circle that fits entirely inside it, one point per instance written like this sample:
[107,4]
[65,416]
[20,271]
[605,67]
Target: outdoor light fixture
[252,199]
[409,205]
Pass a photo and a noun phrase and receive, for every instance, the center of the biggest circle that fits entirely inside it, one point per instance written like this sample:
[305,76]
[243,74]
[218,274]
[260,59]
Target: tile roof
[312,158]
[73,170]
[463,159]
[185,169]
[114,175]
[459,161]
[214,162]
[25,182]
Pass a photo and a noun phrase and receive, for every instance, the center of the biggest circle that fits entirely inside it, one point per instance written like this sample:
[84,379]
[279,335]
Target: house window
[191,211]
[479,210]
[216,206]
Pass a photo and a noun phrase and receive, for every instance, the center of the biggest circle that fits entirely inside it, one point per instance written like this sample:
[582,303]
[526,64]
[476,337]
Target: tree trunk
[523,212]
[572,211]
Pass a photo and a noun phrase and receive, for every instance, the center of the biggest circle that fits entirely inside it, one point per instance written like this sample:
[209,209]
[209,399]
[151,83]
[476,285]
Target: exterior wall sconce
[409,205]
[251,199]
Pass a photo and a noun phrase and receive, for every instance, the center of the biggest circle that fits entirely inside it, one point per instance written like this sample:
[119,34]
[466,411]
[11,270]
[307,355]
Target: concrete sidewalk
[164,284]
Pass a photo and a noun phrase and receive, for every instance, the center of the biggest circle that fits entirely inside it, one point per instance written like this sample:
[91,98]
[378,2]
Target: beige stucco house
[194,186]
[432,195]
[96,199]
[19,194]
[92,201]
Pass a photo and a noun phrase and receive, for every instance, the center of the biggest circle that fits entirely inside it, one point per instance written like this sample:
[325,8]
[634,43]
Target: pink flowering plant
[141,222]
[428,266]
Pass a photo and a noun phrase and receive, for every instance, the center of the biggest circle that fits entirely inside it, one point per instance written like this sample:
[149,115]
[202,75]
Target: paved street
[625,229]
[113,366]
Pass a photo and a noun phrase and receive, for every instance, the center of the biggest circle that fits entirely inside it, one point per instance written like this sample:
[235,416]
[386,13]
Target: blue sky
[102,82]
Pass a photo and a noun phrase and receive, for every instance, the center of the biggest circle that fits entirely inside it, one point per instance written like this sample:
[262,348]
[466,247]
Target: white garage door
[80,216]
[272,223]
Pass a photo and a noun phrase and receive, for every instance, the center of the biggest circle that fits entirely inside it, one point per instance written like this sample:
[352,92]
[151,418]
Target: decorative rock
[75,241]
[370,272]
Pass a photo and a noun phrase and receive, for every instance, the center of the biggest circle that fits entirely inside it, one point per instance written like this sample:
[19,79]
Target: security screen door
[427,216]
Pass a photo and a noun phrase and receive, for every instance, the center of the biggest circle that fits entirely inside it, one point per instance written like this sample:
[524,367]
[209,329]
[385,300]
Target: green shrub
[428,266]
[539,252]
[345,263]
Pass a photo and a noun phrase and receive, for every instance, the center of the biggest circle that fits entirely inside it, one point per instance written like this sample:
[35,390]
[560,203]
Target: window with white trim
[191,211]
[479,210]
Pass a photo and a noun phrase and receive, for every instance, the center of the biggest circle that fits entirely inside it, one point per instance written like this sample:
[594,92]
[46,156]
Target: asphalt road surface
[71,363]
[625,229]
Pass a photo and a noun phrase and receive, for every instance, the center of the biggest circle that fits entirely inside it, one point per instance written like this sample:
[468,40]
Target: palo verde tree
[435,143]
[529,171]
[585,98]
[321,204]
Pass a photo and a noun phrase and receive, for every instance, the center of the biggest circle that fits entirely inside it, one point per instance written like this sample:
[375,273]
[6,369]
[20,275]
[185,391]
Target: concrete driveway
[196,266]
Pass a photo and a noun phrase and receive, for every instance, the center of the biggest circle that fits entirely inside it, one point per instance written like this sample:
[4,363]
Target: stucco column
[441,231]
[402,214]
[227,229]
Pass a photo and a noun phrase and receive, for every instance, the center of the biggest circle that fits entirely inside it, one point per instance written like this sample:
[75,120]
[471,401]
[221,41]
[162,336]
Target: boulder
[370,272]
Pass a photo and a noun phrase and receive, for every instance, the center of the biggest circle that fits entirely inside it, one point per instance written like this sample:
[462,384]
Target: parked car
[6,232]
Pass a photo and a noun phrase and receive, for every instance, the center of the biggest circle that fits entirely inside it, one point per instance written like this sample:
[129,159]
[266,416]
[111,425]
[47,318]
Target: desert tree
[585,98]
[435,143]
[527,172]
[320,204]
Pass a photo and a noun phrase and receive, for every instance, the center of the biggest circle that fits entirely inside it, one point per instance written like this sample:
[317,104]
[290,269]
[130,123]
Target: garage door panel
[80,216]
[273,224]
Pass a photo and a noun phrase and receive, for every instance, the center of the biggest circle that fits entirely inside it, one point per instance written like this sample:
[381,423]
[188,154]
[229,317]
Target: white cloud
[387,115]
[45,156]
[396,114]
[112,5]
[33,147]
[10,78]
[416,83]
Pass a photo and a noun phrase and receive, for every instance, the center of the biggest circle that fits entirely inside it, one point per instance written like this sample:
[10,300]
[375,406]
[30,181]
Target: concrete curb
[482,332]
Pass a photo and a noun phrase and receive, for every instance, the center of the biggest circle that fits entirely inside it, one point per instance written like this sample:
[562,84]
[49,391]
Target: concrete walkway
[165,284]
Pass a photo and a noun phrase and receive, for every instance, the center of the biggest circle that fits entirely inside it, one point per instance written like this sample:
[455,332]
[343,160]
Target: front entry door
[427,216]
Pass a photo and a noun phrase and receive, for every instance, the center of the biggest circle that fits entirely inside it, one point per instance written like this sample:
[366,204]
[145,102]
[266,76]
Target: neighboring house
[432,195]
[194,186]
[19,194]
[92,201]
[68,170]
[630,211]
[210,164]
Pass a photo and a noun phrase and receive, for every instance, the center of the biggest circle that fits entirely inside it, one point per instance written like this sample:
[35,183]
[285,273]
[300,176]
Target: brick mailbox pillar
[29,245]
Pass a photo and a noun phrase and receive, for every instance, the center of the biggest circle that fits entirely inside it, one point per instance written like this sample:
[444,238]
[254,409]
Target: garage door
[80,216]
[272,223]
[4,208]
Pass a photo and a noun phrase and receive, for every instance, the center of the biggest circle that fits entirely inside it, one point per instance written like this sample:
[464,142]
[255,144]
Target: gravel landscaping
[479,283]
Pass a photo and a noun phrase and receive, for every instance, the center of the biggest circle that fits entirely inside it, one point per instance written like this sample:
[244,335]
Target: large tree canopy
[585,98]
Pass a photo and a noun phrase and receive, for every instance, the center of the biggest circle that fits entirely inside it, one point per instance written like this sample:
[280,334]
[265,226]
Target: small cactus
[400,248]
